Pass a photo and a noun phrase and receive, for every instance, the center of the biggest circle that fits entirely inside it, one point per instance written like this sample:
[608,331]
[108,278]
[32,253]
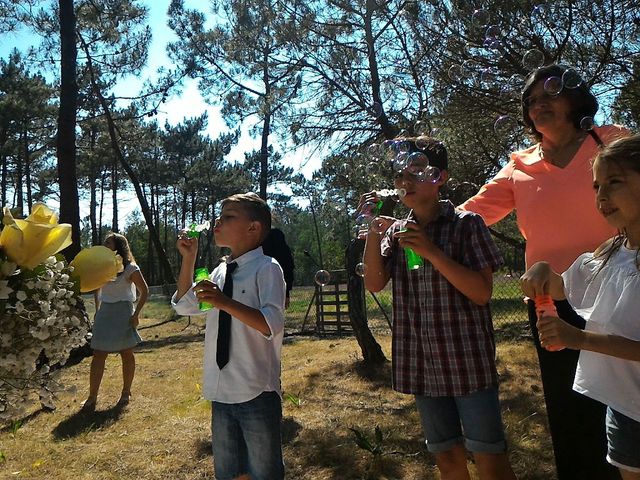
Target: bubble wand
[414,261]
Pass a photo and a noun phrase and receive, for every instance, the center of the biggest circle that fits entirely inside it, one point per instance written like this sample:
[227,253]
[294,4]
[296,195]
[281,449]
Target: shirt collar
[447,211]
[246,257]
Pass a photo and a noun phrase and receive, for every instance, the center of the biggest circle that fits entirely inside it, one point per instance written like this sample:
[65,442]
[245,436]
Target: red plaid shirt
[443,343]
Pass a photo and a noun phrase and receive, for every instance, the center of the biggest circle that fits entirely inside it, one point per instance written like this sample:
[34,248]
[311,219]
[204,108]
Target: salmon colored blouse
[555,207]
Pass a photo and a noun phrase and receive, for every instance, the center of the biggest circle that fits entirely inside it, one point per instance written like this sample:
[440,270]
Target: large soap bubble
[533,59]
[571,78]
[322,278]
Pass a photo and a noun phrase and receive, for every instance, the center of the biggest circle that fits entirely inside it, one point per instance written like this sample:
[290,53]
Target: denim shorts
[444,419]
[623,439]
[246,438]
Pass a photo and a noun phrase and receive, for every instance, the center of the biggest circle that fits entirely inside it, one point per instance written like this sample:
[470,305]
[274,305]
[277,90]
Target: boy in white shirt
[243,340]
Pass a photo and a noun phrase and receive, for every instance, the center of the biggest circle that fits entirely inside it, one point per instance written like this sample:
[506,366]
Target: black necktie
[224,321]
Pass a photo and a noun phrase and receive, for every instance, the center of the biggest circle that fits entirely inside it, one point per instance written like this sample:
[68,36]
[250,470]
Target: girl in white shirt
[604,288]
[114,327]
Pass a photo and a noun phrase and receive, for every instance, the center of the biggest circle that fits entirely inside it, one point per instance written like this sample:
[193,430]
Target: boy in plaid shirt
[443,348]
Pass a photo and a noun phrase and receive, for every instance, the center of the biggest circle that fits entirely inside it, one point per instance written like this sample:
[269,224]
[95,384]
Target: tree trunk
[144,205]
[371,350]
[66,138]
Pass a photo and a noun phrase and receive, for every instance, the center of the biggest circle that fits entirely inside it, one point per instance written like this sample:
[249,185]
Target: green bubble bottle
[414,261]
[203,274]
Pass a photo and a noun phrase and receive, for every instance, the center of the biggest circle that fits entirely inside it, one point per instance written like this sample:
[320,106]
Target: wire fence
[304,316]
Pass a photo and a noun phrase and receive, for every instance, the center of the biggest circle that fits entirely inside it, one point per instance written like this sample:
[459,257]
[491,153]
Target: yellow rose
[95,267]
[31,241]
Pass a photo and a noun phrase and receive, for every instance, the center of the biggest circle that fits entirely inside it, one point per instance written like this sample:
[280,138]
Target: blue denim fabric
[478,414]
[246,438]
[623,438]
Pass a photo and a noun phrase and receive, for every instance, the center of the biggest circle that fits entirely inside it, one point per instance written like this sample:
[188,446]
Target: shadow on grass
[336,451]
[82,422]
[173,340]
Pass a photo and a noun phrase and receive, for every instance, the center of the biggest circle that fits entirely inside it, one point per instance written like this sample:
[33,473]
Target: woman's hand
[134,320]
[554,332]
[540,279]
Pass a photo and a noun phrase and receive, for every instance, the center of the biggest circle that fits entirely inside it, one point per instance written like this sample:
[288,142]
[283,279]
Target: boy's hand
[540,279]
[188,247]
[207,291]
[553,331]
[366,202]
[416,238]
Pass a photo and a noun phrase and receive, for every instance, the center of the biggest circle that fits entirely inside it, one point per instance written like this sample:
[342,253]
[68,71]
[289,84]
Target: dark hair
[625,154]
[122,247]
[255,207]
[275,245]
[434,150]
[583,102]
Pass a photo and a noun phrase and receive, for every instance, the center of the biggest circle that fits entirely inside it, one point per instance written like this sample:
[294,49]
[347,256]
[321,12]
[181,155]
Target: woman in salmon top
[550,186]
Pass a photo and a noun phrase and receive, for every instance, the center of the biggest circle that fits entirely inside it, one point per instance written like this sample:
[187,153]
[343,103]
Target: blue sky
[189,103]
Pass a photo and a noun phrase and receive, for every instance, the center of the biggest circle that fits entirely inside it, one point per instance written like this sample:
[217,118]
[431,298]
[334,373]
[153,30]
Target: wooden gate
[332,305]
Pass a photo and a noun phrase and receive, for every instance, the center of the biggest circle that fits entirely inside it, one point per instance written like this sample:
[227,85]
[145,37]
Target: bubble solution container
[202,274]
[546,308]
[414,261]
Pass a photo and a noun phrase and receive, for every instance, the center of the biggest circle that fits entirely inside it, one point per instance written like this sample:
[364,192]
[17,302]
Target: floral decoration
[42,314]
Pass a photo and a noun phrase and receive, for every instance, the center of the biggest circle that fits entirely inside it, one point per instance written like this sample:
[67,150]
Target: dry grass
[165,432]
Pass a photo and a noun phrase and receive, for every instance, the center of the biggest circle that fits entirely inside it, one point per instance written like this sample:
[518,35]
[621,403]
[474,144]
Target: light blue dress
[112,330]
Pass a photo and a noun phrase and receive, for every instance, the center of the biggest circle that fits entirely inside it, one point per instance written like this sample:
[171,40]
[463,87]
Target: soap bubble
[376,110]
[361,269]
[571,78]
[455,73]
[480,18]
[587,123]
[403,146]
[422,142]
[400,162]
[378,226]
[533,59]
[553,86]
[492,32]
[322,277]
[420,127]
[369,208]
[402,192]
[505,126]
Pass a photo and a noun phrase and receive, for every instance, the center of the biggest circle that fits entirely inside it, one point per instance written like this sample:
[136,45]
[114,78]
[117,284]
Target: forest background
[332,78]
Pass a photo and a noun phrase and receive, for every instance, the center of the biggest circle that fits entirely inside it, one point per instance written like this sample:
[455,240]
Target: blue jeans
[623,436]
[478,414]
[246,438]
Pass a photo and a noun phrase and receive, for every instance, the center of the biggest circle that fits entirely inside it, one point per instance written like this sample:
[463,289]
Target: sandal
[89,405]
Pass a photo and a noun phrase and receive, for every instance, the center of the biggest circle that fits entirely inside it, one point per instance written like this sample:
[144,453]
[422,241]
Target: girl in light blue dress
[114,328]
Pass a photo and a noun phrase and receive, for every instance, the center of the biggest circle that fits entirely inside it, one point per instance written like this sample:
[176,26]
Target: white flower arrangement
[43,318]
[42,314]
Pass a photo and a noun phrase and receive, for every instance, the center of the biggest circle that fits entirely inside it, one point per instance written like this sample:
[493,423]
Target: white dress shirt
[254,360]
[609,300]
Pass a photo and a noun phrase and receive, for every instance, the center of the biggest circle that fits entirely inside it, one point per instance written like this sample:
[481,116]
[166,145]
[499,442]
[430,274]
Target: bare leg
[243,477]
[128,371]
[494,466]
[95,376]
[453,464]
